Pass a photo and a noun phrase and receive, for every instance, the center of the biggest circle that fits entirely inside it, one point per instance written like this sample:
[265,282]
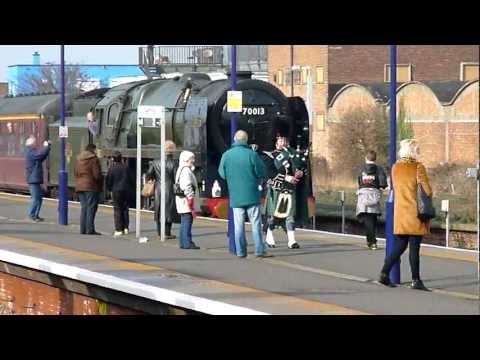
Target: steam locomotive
[196,120]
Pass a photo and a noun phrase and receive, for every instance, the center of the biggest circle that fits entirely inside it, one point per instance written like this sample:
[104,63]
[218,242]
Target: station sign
[234,101]
[63,131]
[150,112]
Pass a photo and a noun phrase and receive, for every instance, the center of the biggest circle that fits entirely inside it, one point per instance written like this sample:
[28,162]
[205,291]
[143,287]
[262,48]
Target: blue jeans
[37,196]
[89,206]
[256,221]
[185,238]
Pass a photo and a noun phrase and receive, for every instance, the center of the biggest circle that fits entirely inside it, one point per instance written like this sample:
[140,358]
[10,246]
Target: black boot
[418,285]
[385,280]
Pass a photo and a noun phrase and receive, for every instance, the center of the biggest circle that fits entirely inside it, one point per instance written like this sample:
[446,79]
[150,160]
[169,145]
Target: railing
[180,55]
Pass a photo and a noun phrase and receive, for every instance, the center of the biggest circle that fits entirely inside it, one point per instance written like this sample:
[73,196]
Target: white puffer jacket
[188,183]
[368,201]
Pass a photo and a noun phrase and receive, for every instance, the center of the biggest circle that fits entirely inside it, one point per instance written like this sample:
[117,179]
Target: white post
[342,199]
[139,170]
[162,189]
[478,230]
[446,209]
[447,225]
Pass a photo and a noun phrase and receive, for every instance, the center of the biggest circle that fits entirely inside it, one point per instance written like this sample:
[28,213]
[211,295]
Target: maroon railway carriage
[21,117]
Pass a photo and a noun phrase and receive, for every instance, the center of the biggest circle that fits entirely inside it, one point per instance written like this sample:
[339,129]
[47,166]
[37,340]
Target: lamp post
[62,173]
[291,70]
[390,239]
[233,129]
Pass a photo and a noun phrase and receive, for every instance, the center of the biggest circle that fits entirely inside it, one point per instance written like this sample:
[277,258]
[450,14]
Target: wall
[25,297]
[312,56]
[447,132]
[362,63]
[3,89]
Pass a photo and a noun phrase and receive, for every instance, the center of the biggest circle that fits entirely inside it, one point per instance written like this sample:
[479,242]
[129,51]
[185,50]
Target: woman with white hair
[186,189]
[408,228]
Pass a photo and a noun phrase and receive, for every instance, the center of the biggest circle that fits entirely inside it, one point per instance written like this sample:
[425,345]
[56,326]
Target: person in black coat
[120,182]
[154,173]
[372,177]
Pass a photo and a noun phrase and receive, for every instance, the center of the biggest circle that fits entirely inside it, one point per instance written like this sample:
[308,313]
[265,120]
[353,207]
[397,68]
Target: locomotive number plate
[254,111]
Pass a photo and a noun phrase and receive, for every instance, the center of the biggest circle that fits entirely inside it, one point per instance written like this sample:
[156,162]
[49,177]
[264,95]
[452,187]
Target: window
[404,72]
[297,77]
[288,77]
[320,74]
[468,71]
[279,77]
[304,75]
[9,138]
[320,122]
[112,114]
[99,119]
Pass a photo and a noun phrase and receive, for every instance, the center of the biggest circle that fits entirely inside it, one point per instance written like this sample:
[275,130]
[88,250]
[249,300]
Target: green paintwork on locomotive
[118,131]
[75,143]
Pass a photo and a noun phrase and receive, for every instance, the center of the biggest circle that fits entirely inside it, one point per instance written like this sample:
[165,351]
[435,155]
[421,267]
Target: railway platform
[329,274]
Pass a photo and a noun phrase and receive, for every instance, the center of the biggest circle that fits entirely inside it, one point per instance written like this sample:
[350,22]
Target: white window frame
[462,67]
[386,71]
[323,74]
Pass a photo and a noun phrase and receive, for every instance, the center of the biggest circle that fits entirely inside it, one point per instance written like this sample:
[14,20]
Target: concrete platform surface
[329,274]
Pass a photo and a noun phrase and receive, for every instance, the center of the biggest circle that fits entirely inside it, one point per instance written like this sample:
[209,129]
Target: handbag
[149,189]
[177,191]
[425,208]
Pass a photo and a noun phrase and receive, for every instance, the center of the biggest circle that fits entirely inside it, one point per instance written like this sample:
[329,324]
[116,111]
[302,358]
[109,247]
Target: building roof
[444,90]
[35,104]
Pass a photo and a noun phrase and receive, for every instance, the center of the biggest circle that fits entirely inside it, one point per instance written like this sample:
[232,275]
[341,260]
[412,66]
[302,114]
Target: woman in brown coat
[408,228]
[88,177]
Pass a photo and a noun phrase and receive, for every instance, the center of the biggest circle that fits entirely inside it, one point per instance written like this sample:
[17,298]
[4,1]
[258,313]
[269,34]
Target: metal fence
[181,55]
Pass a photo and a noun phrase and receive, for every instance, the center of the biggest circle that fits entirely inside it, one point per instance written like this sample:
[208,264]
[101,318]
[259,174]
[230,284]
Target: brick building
[436,85]
[3,89]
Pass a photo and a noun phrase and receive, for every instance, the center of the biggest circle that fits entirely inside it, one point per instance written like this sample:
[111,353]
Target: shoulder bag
[425,208]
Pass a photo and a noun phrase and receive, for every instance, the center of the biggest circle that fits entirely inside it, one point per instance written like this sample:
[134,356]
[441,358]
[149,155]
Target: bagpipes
[294,163]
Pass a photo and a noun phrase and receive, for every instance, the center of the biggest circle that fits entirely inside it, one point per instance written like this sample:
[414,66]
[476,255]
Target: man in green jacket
[243,170]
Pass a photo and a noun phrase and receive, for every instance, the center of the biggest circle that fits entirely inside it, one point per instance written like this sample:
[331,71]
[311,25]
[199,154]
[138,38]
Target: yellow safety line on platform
[116,264]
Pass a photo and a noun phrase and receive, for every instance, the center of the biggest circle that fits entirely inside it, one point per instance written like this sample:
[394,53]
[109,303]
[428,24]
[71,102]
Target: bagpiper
[286,195]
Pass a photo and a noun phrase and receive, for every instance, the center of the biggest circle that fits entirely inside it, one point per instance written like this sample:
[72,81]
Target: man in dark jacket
[370,182]
[34,175]
[88,177]
[155,173]
[119,181]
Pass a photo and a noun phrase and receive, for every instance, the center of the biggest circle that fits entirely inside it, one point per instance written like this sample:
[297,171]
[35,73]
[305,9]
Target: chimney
[36,58]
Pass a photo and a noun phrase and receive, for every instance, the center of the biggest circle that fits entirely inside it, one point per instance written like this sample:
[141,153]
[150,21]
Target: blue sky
[78,54]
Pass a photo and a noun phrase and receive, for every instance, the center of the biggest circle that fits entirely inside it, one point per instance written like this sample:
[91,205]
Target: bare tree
[358,131]
[47,80]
